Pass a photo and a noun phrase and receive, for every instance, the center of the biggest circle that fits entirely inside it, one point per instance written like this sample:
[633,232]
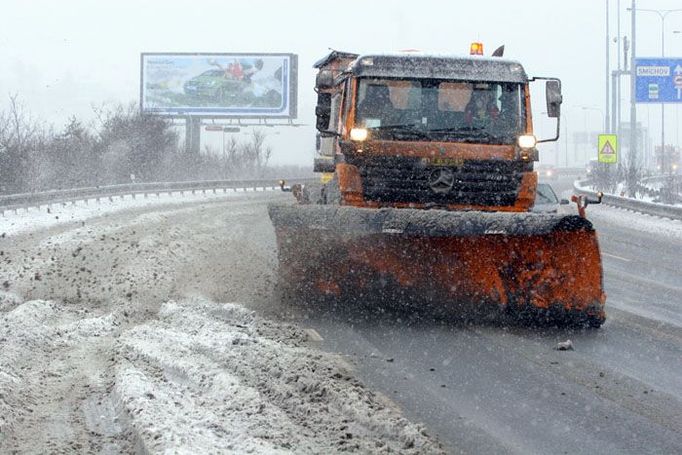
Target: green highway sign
[608,148]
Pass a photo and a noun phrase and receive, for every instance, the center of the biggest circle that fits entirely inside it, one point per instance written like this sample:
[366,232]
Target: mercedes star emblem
[441,180]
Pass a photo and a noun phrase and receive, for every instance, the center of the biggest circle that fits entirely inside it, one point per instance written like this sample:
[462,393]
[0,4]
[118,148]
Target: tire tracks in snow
[103,333]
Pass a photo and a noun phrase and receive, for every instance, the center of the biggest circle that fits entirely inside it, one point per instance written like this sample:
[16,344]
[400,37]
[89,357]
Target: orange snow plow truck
[428,194]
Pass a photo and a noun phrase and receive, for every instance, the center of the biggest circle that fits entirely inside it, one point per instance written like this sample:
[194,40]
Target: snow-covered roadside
[102,350]
[642,222]
[200,377]
[245,384]
[25,220]
[620,191]
[54,380]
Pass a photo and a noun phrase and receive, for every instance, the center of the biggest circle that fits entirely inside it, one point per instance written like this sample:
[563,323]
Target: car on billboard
[214,85]
[237,83]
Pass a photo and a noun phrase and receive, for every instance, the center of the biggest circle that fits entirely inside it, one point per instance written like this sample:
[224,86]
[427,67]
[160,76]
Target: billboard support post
[193,135]
[196,135]
[188,135]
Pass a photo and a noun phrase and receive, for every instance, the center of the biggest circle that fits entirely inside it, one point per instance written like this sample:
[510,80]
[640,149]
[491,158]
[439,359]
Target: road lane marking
[616,257]
[642,279]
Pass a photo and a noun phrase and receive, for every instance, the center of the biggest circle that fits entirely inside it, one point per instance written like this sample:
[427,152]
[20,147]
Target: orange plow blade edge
[519,266]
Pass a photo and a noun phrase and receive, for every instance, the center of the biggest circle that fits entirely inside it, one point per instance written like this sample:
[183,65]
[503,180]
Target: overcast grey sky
[63,56]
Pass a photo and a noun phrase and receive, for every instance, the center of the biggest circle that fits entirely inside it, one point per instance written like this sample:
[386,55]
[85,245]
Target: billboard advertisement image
[219,85]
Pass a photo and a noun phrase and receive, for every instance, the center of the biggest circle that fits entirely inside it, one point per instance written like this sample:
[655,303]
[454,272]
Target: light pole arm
[663,14]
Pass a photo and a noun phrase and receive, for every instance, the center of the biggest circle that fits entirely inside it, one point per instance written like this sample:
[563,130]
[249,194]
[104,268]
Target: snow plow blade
[524,267]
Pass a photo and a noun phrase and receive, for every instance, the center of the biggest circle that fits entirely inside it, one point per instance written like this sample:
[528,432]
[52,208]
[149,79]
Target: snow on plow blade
[518,266]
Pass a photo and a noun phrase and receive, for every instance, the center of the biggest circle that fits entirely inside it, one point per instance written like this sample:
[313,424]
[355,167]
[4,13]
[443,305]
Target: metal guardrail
[662,178]
[570,170]
[670,186]
[649,208]
[27,200]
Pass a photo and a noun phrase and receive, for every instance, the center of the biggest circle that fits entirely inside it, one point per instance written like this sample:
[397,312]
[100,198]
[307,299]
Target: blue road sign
[659,80]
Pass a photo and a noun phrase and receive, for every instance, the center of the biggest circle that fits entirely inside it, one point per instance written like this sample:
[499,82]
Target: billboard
[219,85]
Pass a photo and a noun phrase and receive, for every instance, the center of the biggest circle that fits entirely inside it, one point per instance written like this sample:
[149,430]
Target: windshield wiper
[471,133]
[459,129]
[407,128]
[386,127]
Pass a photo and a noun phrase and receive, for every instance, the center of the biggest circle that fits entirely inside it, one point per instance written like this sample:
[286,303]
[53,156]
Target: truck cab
[428,131]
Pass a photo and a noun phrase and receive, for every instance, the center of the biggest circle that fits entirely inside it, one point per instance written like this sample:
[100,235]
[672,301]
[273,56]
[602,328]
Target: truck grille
[409,180]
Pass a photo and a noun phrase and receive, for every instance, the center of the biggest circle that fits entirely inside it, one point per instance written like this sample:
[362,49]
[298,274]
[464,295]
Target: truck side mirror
[554,98]
[323,111]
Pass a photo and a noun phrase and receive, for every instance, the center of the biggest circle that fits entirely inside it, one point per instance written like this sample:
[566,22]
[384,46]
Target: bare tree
[19,138]
[119,143]
[258,152]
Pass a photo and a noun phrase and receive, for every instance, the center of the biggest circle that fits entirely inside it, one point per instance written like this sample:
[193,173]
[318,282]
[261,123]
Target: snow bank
[208,377]
[650,224]
[31,335]
[621,190]
[642,222]
[30,219]
[198,377]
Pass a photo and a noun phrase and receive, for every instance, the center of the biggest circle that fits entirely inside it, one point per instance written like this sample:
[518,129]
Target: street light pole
[632,154]
[615,81]
[608,71]
[663,16]
[566,130]
[677,109]
[617,109]
[592,108]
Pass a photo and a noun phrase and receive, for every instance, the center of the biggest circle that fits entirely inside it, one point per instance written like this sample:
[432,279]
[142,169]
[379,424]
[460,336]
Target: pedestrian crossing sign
[608,148]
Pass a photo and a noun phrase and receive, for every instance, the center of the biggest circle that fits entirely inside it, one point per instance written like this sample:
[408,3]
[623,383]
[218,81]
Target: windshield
[442,110]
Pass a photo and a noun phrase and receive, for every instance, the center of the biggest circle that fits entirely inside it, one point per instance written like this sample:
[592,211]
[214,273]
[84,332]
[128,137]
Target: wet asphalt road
[486,389]
[492,389]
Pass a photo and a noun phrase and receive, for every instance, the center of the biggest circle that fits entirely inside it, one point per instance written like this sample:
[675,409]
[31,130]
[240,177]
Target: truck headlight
[527,141]
[358,134]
